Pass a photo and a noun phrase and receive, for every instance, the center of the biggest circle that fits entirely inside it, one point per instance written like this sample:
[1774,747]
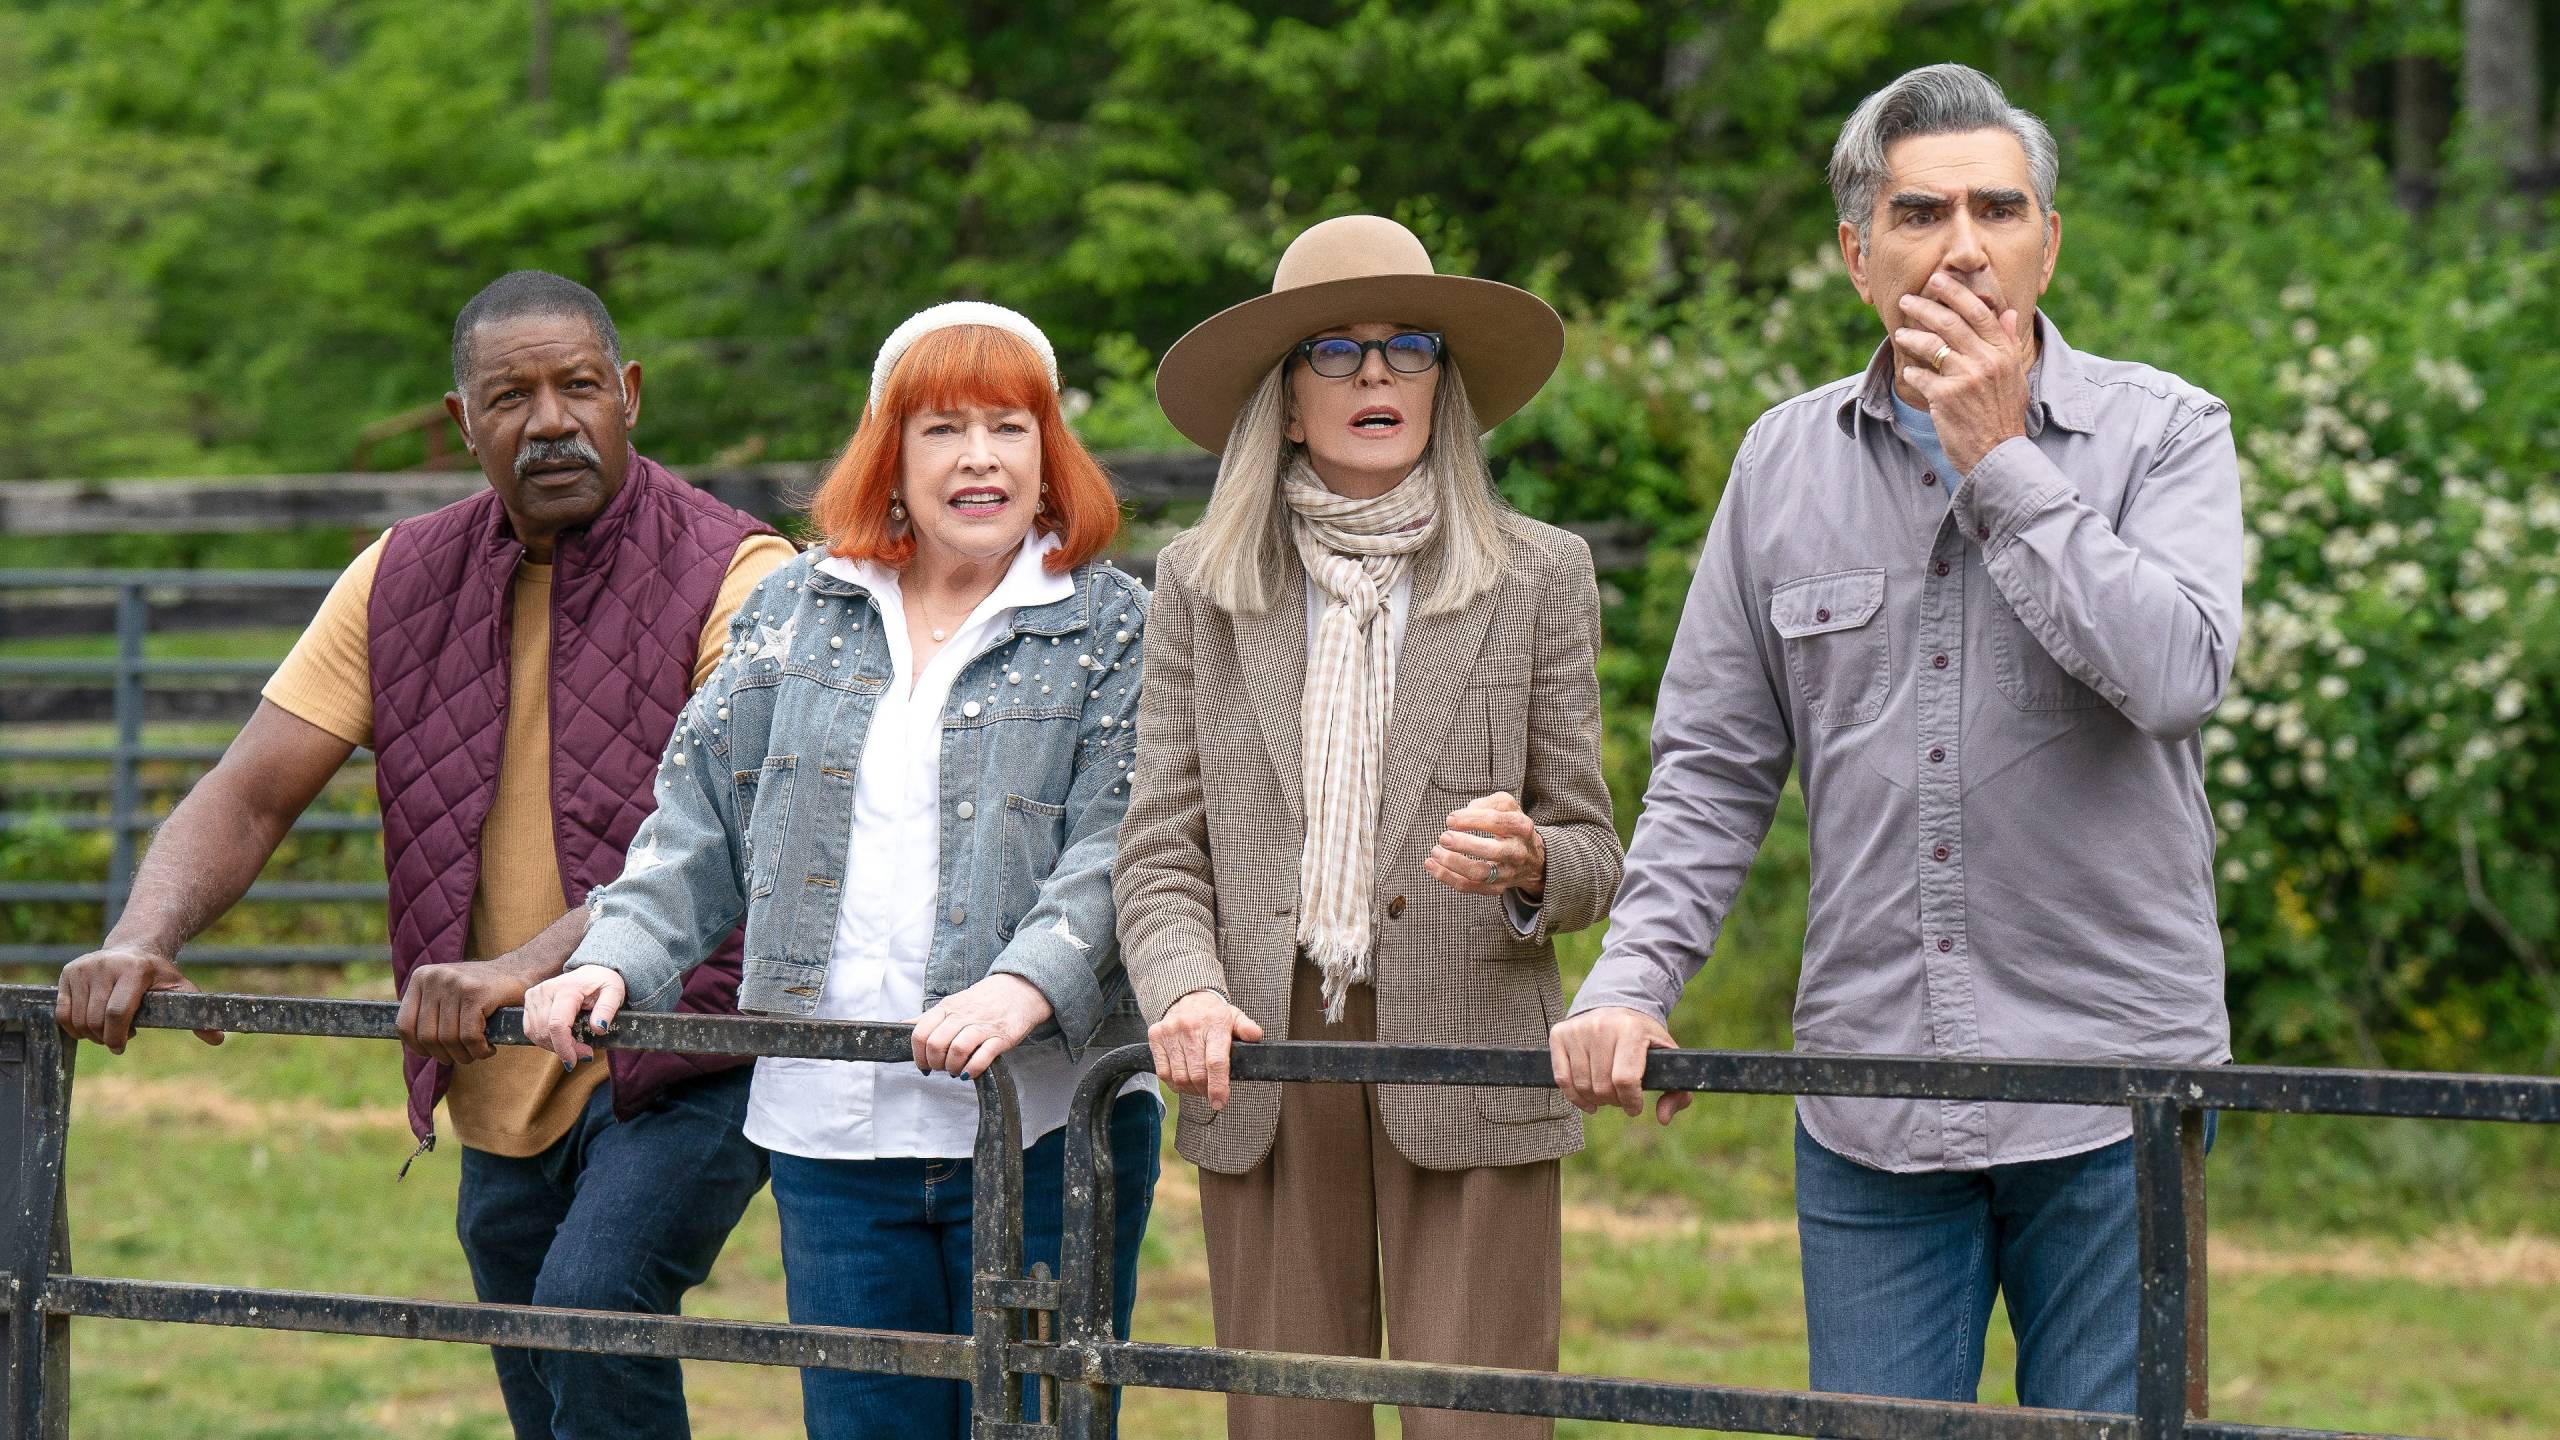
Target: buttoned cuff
[1628,984]
[652,978]
[1062,971]
[2005,491]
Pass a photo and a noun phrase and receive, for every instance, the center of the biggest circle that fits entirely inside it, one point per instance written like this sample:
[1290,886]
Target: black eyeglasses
[1339,357]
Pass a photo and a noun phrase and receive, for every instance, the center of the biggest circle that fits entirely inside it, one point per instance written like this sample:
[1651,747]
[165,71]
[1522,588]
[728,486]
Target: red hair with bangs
[947,369]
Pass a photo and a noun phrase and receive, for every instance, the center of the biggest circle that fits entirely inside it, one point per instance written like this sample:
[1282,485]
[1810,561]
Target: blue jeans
[614,1216]
[885,1244]
[1899,1272]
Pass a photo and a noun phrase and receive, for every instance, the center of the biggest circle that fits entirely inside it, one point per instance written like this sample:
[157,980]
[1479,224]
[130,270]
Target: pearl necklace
[940,632]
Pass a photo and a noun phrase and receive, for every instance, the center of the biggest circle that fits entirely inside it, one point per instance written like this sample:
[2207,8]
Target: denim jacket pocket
[764,803]
[1836,648]
[1033,833]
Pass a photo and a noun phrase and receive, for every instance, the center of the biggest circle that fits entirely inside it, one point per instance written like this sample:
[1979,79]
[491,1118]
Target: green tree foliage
[232,234]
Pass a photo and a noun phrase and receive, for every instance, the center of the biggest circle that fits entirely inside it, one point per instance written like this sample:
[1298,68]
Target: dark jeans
[884,1244]
[1900,1270]
[614,1216]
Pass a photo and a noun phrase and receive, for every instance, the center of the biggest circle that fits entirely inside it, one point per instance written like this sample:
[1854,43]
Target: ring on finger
[1939,360]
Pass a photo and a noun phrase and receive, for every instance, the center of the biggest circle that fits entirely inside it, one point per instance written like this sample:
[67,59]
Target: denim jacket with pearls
[755,805]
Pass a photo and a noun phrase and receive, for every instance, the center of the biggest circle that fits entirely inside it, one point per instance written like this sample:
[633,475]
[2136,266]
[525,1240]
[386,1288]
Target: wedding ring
[1939,360]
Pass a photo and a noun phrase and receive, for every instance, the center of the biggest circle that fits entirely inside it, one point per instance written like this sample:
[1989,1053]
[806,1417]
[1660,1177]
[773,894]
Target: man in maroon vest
[516,661]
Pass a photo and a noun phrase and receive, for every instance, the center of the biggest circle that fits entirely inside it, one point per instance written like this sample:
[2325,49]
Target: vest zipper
[423,1147]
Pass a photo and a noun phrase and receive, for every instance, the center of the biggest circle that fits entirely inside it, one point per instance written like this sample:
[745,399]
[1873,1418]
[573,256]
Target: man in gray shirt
[1984,595]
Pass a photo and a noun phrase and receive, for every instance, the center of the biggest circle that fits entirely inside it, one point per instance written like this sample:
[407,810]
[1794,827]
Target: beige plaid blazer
[1501,696]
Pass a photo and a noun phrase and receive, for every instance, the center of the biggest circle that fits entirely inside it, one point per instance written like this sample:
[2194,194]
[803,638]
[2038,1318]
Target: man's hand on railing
[1599,1057]
[445,1010]
[102,991]
[1192,1043]
[551,1009]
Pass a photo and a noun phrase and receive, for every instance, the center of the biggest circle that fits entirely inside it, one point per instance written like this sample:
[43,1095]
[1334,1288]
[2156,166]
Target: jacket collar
[1043,603]
[2058,389]
[1439,654]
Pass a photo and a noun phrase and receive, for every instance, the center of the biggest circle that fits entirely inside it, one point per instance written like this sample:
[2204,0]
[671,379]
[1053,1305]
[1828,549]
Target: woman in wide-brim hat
[1367,796]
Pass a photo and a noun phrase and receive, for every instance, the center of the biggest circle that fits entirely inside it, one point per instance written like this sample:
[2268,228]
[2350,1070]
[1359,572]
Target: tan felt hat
[1348,271]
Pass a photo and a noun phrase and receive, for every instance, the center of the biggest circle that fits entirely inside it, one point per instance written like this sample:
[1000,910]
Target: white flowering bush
[2383,768]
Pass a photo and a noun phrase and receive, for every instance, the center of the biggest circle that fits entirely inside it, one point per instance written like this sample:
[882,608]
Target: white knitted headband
[943,317]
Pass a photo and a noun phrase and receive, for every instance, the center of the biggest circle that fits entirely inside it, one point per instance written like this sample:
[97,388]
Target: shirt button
[1937,756]
[965,810]
[959,914]
[1929,479]
[1945,944]
[1939,661]
[1938,854]
[970,710]
[1395,908]
[1942,567]
[1982,533]
[1821,616]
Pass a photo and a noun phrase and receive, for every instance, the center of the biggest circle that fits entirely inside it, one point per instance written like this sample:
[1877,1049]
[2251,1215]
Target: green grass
[270,1161]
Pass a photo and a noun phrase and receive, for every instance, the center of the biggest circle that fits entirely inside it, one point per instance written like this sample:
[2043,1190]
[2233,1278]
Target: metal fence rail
[1059,1329]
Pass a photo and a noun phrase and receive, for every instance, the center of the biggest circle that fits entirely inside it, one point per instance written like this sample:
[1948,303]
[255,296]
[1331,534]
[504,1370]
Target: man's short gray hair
[1932,100]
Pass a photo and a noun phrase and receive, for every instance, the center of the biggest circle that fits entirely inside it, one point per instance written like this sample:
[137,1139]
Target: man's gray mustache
[548,452]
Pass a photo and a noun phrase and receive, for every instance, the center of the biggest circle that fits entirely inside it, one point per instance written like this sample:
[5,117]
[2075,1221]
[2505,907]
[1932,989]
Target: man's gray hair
[1932,100]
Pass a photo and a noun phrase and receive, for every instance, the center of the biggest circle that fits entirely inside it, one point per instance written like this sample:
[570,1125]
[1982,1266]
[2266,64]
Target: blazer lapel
[1271,647]
[1439,654]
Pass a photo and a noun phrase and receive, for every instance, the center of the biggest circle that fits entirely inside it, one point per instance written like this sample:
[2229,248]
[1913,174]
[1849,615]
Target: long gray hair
[1244,538]
[1932,100]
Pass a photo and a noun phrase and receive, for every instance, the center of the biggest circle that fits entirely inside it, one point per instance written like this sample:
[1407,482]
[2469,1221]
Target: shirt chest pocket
[1835,643]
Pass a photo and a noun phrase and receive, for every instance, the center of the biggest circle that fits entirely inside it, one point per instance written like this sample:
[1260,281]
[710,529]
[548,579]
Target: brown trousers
[1472,1260]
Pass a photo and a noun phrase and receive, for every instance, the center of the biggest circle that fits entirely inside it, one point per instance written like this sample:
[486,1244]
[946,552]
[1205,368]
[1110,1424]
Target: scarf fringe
[1344,964]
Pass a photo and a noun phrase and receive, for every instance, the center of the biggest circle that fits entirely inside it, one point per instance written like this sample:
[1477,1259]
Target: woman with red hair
[908,776]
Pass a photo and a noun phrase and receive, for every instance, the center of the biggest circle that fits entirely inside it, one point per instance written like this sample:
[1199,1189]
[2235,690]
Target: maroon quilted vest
[629,596]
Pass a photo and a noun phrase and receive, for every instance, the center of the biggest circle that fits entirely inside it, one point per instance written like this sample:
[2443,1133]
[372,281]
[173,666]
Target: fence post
[133,619]
[2191,1151]
[1086,1235]
[35,1115]
[995,1249]
[2168,1171]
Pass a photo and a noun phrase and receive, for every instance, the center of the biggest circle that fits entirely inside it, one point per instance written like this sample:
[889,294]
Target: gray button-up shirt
[1996,707]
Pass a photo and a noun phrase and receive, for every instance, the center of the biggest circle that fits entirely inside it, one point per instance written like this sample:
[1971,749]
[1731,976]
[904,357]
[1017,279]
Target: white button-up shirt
[846,1110]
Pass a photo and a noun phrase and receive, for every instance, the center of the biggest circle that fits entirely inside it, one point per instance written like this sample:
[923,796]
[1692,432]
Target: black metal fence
[1057,1329]
[138,693]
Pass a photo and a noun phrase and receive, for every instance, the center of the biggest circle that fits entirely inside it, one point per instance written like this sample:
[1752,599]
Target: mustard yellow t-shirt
[518,1101]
